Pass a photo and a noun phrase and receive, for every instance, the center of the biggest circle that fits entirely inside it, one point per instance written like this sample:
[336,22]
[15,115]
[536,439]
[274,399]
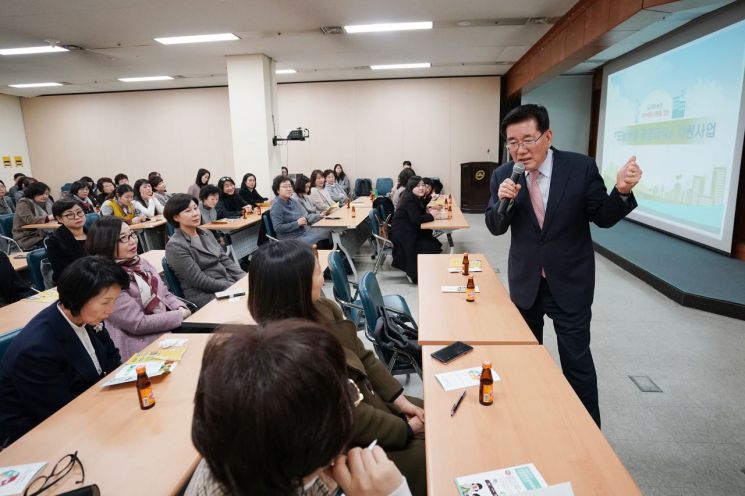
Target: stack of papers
[13,480]
[128,372]
[456,265]
[456,289]
[458,379]
[47,296]
[509,482]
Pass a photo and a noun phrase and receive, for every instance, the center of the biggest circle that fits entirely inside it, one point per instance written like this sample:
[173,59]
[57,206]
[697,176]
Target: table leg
[336,237]
[450,242]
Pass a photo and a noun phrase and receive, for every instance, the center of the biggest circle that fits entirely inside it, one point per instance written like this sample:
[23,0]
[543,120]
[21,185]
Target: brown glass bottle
[486,385]
[466,263]
[471,290]
[450,212]
[144,389]
[354,213]
[349,202]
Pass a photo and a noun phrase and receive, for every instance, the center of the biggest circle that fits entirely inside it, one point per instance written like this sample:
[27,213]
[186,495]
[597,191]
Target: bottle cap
[140,369]
[487,364]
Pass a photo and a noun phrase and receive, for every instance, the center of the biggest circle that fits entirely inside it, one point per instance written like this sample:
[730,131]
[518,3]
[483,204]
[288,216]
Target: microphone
[517,170]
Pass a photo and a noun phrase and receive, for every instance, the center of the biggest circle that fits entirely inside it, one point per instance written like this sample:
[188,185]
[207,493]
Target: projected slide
[678,112]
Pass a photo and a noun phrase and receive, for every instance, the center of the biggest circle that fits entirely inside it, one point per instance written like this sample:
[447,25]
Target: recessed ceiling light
[32,50]
[390,26]
[34,85]
[420,65]
[285,71]
[146,78]
[199,38]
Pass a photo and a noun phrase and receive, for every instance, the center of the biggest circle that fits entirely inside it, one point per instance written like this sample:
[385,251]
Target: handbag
[396,332]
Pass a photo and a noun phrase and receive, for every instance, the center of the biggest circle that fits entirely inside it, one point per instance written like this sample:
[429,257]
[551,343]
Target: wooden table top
[447,317]
[46,225]
[155,222]
[18,261]
[124,450]
[155,257]
[16,315]
[233,224]
[219,312]
[536,418]
[362,202]
[442,223]
[345,220]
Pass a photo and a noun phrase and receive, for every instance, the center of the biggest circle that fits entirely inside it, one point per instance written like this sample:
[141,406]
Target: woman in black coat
[248,191]
[409,239]
[231,205]
[66,244]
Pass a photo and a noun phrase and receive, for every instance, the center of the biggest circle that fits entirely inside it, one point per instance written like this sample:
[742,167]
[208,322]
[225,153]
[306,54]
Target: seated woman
[67,243]
[146,309]
[409,239]
[122,206]
[302,194]
[288,452]
[285,281]
[231,205]
[34,208]
[105,187]
[289,217]
[13,287]
[248,191]
[342,179]
[7,205]
[21,184]
[208,198]
[202,180]
[318,195]
[195,256]
[158,186]
[88,181]
[62,351]
[80,192]
[403,178]
[334,190]
[144,201]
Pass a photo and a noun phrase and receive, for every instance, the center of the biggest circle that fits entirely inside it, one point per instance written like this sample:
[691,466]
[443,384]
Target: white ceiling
[116,37]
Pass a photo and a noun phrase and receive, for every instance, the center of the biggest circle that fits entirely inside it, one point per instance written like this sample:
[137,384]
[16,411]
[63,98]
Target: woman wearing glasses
[67,243]
[144,310]
[285,281]
[122,205]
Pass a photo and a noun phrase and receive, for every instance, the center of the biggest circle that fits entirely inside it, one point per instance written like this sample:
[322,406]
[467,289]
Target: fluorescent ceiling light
[146,78]
[31,50]
[285,71]
[199,38]
[390,26]
[34,85]
[421,65]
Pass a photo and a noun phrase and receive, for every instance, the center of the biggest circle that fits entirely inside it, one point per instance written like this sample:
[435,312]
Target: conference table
[144,230]
[442,223]
[341,220]
[536,418]
[233,310]
[18,261]
[124,450]
[242,235]
[447,317]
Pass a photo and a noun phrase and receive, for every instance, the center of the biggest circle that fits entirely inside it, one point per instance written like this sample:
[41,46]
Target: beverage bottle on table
[450,212]
[471,290]
[466,263]
[354,214]
[348,202]
[486,385]
[144,389]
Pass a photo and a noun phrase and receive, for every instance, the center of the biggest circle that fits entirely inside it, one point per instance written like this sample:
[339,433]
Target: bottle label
[470,295]
[147,397]
[487,393]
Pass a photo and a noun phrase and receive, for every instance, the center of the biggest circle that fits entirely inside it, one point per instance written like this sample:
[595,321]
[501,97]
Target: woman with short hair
[67,243]
[146,308]
[80,192]
[285,281]
[63,350]
[289,217]
[7,206]
[145,202]
[121,205]
[195,256]
[231,205]
[105,187]
[318,195]
[335,191]
[34,208]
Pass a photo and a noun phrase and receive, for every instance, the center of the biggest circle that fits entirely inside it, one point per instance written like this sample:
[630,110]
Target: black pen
[457,403]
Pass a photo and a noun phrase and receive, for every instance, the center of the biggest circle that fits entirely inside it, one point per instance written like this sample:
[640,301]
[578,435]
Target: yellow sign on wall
[19,161]
[6,161]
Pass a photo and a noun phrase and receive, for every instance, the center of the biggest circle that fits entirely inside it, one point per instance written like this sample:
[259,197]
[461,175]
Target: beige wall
[371,127]
[368,126]
[174,132]
[12,139]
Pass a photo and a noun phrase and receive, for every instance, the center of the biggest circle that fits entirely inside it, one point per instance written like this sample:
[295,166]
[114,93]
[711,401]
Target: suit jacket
[202,270]
[62,250]
[563,248]
[46,367]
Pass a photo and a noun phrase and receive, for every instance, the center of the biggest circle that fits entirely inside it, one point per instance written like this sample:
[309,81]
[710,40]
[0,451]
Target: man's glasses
[61,469]
[78,214]
[514,146]
[128,237]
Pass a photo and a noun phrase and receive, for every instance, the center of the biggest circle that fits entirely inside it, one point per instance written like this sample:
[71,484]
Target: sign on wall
[6,161]
[19,161]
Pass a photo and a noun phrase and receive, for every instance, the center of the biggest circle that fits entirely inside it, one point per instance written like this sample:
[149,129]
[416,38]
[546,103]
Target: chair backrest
[171,280]
[34,259]
[384,185]
[362,186]
[372,298]
[339,277]
[6,225]
[90,219]
[5,341]
[170,229]
[268,226]
[374,222]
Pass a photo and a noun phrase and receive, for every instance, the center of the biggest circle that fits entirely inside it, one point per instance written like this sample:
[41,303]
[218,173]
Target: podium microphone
[517,170]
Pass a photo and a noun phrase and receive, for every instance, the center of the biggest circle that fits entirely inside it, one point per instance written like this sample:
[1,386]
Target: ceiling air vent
[332,30]
[541,20]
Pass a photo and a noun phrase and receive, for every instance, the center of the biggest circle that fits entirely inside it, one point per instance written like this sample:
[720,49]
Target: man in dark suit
[63,350]
[551,260]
